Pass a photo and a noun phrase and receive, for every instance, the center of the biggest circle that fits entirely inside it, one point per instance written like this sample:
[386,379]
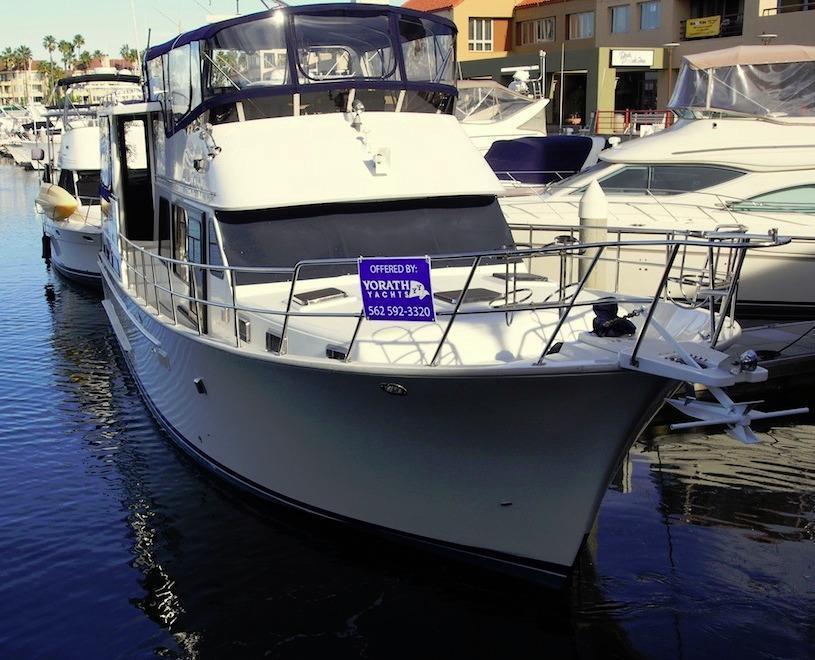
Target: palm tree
[7,58]
[131,55]
[97,54]
[50,44]
[50,74]
[85,60]
[66,50]
[23,55]
[78,42]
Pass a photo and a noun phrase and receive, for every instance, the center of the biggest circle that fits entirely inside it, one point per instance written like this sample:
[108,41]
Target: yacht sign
[396,289]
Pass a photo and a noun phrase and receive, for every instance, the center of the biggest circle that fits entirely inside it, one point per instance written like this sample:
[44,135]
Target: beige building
[623,55]
[15,87]
[483,25]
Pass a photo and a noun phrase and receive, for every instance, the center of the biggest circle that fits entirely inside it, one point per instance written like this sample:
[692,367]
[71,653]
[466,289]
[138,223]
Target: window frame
[534,31]
[663,192]
[650,3]
[569,29]
[612,10]
[473,40]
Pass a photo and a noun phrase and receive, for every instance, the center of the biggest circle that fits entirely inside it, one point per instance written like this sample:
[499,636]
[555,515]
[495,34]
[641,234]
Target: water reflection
[122,547]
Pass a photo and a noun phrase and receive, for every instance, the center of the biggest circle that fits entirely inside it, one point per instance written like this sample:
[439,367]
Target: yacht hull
[75,250]
[508,471]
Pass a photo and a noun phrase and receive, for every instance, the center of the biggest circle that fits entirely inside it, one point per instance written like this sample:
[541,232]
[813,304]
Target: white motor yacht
[319,308]
[68,201]
[488,111]
[741,153]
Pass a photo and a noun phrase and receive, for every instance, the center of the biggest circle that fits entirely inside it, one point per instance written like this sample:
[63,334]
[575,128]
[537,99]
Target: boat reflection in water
[702,537]
[705,539]
[221,574]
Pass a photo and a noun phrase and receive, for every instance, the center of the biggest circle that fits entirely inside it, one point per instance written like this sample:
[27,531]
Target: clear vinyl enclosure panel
[784,89]
[300,50]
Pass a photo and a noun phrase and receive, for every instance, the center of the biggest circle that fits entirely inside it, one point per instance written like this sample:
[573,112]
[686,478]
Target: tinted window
[279,238]
[628,179]
[214,251]
[688,178]
[799,199]
[164,247]
[66,181]
[87,187]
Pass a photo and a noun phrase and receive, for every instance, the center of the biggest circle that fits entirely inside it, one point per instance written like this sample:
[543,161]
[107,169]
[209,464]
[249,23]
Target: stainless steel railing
[150,276]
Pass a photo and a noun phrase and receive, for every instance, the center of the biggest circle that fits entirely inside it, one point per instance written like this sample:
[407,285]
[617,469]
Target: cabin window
[628,179]
[428,50]
[248,55]
[666,179]
[180,83]
[796,199]
[87,187]
[155,79]
[195,75]
[688,178]
[66,181]
[214,253]
[195,225]
[165,248]
[180,243]
[281,237]
[338,47]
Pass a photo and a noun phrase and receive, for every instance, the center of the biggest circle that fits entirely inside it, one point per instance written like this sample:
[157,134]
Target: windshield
[766,90]
[332,46]
[488,104]
[280,238]
[246,55]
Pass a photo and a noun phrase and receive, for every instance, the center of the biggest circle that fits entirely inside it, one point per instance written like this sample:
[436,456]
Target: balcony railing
[729,26]
[631,122]
[787,8]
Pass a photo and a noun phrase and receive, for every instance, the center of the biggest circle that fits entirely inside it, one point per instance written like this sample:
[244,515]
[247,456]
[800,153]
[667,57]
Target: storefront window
[620,18]
[581,26]
[650,13]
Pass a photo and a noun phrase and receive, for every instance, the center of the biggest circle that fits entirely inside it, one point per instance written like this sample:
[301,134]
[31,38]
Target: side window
[194,240]
[674,179]
[195,75]
[214,251]
[797,199]
[626,180]
[165,248]
[180,242]
[180,83]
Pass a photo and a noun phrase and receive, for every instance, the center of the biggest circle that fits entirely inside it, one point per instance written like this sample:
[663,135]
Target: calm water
[114,545]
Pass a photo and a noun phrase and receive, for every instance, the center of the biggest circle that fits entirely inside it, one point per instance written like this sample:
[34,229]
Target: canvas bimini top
[314,58]
[766,81]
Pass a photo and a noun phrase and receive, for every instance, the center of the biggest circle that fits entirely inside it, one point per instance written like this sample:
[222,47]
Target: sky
[107,24]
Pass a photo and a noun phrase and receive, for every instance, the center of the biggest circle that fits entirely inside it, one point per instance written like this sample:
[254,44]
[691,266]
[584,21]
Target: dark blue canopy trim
[208,31]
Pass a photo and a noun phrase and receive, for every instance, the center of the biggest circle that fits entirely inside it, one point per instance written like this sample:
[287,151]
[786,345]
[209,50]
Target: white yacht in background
[509,130]
[741,153]
[317,307]
[488,111]
[68,200]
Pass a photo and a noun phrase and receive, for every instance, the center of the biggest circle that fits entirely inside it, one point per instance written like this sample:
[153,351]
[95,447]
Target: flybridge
[306,60]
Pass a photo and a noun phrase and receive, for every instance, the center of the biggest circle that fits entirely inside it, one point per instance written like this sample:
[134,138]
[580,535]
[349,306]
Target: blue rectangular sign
[396,289]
